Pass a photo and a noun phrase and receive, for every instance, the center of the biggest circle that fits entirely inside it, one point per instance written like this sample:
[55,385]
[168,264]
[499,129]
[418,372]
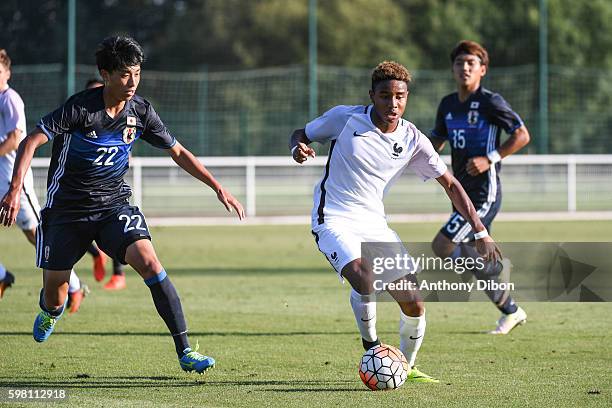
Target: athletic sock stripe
[321,218]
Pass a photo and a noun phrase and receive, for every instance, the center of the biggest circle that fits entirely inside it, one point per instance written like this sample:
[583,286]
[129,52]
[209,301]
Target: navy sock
[369,344]
[41,302]
[491,271]
[93,250]
[117,268]
[168,306]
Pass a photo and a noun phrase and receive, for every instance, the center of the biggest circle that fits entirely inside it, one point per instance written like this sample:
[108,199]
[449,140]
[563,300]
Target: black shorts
[61,242]
[457,229]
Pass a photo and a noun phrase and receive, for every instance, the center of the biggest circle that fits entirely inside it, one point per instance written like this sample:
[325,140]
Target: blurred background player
[12,131]
[93,133]
[370,148]
[471,120]
[117,280]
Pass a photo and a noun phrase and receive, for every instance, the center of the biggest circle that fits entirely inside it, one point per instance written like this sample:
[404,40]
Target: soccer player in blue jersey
[87,198]
[117,280]
[471,120]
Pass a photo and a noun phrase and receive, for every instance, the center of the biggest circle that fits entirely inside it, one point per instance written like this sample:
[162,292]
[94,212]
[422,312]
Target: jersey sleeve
[62,120]
[14,113]
[425,161]
[329,125]
[155,132]
[440,131]
[503,116]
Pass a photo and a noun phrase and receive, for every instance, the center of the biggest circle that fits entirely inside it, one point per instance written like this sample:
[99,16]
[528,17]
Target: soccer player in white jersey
[12,131]
[370,148]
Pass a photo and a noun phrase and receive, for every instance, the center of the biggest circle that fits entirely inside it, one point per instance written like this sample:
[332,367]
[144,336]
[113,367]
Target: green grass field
[267,306]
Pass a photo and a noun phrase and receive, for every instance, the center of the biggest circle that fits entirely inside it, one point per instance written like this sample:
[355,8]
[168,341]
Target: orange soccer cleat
[116,282]
[6,283]
[98,268]
[75,299]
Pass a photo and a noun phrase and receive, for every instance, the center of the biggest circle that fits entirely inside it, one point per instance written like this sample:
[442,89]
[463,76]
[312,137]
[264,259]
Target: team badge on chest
[472,117]
[129,133]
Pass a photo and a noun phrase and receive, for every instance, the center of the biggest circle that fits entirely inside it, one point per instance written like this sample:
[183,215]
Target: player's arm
[11,142]
[188,162]
[464,206]
[298,144]
[517,140]
[9,206]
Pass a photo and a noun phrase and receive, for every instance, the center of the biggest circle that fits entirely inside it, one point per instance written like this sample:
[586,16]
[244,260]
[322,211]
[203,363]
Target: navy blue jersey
[473,129]
[91,150]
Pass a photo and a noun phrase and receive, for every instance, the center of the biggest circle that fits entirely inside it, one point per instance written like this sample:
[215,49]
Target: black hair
[118,52]
[92,81]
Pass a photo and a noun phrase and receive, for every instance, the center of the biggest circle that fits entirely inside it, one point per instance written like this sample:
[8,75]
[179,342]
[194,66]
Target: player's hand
[477,165]
[9,207]
[228,200]
[302,153]
[488,249]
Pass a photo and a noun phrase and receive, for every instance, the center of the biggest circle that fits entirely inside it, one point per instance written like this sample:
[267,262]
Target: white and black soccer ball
[383,367]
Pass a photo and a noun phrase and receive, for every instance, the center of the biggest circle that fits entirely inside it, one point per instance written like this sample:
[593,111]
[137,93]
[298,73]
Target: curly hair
[4,59]
[388,70]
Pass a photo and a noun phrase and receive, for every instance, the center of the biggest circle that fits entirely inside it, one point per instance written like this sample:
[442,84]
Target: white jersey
[363,163]
[12,116]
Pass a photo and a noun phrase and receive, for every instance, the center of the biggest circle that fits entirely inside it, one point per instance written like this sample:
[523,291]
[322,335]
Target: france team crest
[129,133]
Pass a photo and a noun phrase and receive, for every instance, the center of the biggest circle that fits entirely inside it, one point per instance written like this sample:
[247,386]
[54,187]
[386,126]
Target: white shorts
[28,216]
[341,244]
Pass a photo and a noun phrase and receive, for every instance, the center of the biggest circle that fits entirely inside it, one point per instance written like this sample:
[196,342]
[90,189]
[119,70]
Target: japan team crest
[129,133]
[472,117]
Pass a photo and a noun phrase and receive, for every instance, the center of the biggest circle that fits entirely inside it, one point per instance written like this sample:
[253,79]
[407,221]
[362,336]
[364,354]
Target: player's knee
[359,277]
[442,246]
[413,308]
[150,266]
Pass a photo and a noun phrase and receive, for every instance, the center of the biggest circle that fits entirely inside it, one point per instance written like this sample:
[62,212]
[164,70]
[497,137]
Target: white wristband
[481,234]
[494,156]
[293,149]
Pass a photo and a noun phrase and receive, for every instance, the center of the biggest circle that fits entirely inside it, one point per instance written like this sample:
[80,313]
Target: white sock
[412,331]
[365,316]
[2,272]
[74,284]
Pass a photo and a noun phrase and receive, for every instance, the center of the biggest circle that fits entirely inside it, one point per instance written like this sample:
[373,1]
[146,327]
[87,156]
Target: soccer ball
[383,367]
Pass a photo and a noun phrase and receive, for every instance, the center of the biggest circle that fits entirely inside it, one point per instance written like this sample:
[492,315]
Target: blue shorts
[62,241]
[457,229]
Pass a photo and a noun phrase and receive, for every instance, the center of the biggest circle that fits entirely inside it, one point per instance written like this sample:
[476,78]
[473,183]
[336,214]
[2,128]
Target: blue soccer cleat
[194,361]
[44,325]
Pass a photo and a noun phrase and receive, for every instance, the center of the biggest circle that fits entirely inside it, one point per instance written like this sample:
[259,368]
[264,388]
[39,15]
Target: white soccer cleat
[510,321]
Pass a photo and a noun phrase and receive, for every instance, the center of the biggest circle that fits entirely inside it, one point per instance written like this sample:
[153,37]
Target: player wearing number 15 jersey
[471,120]
[87,198]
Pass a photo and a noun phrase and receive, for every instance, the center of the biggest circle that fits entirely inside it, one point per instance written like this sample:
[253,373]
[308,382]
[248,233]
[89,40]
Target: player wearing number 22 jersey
[87,198]
[88,165]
